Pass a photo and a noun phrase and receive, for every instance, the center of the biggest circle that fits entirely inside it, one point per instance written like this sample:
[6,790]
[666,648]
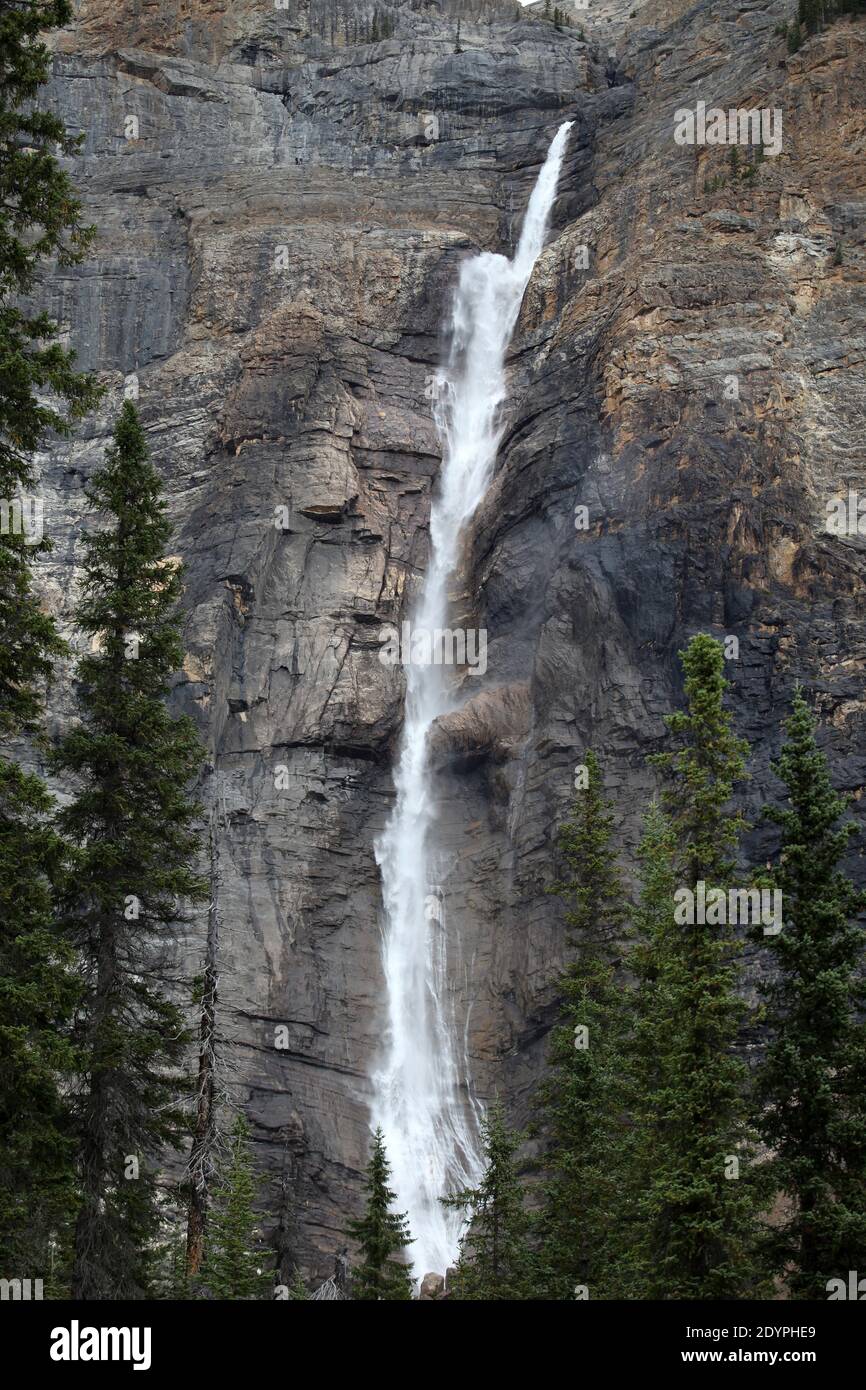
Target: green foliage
[381,1235]
[695,1221]
[38,992]
[234,1253]
[813,15]
[703,771]
[495,1258]
[813,1083]
[39,222]
[130,828]
[584,1098]
[593,890]
[298,1292]
[169,1271]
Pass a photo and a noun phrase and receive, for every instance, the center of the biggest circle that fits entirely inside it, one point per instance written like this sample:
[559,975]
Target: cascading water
[430,1128]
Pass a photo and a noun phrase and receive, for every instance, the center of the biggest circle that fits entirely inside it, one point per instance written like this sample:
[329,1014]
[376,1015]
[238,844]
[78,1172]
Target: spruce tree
[298,1291]
[131,828]
[583,1097]
[40,222]
[813,1083]
[39,392]
[38,992]
[647,1064]
[233,1250]
[699,1194]
[381,1235]
[495,1261]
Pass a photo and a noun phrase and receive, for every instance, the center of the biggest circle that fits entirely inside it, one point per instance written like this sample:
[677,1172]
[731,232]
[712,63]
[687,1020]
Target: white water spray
[422,1097]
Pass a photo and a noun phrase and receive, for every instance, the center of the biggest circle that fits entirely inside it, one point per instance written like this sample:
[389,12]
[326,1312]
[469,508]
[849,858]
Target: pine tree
[170,1281]
[698,1190]
[658,941]
[38,992]
[381,1234]
[495,1257]
[813,1083]
[233,1252]
[298,1292]
[130,825]
[39,221]
[704,771]
[583,1098]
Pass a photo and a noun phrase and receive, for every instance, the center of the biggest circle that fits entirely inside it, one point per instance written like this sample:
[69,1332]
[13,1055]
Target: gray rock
[432,1286]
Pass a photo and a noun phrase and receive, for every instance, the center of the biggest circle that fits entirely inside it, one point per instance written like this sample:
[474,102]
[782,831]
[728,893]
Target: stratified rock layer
[282,209]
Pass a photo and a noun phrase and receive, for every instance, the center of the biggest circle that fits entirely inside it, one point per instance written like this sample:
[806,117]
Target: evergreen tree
[813,1083]
[233,1252]
[705,769]
[38,992]
[698,1191]
[170,1279]
[809,14]
[381,1234]
[130,824]
[298,1292]
[39,222]
[495,1258]
[658,940]
[583,1098]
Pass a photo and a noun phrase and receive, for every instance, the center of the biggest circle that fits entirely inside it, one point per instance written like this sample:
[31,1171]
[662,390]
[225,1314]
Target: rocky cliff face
[282,207]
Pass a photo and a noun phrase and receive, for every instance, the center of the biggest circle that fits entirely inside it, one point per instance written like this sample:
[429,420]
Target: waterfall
[421,1091]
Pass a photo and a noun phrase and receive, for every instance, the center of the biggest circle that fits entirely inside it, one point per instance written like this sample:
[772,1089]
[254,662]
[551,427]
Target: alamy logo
[853,1291]
[735,127]
[77,1343]
[20,1290]
[847,516]
[22,516]
[738,906]
[440,647]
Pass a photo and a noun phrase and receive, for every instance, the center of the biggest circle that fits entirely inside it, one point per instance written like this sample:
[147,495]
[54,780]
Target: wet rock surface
[278,237]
